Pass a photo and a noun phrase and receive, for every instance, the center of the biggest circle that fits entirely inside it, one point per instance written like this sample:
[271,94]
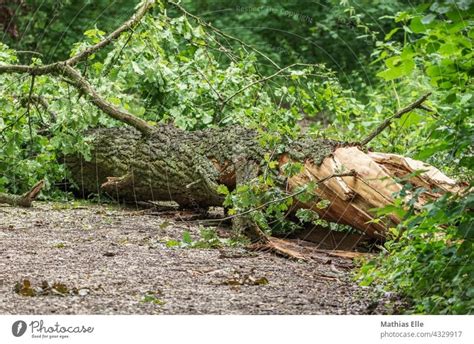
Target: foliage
[337,33]
[431,261]
[430,258]
[436,56]
[153,297]
[174,69]
[165,70]
[51,27]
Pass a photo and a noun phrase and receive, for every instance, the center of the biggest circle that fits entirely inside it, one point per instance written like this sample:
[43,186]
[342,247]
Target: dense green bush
[431,259]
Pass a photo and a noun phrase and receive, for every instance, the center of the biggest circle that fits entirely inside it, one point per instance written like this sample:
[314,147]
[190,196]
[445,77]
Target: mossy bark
[184,167]
[175,165]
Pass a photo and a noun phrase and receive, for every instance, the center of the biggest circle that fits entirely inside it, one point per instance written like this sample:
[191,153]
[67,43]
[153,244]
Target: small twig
[116,56]
[28,52]
[28,106]
[128,25]
[193,183]
[416,104]
[258,82]
[221,98]
[45,105]
[12,124]
[263,80]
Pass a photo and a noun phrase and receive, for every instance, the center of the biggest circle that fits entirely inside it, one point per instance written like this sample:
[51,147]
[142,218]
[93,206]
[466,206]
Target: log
[25,200]
[187,168]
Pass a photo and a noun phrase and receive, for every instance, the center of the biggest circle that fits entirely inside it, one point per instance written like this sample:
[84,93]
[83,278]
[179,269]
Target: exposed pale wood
[372,182]
[353,199]
[403,166]
[188,172]
[281,247]
[346,254]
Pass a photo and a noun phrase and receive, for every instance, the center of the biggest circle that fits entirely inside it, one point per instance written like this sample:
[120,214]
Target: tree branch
[32,70]
[129,24]
[66,68]
[416,104]
[24,200]
[83,85]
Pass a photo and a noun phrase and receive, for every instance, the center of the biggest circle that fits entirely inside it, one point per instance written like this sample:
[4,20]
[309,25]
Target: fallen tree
[144,162]
[187,168]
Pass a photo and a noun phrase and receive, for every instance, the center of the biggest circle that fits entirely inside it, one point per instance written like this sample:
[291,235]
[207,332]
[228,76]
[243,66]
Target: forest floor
[72,258]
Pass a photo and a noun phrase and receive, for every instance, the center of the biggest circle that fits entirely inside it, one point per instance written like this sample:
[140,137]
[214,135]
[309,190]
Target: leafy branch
[222,34]
[350,173]
[65,68]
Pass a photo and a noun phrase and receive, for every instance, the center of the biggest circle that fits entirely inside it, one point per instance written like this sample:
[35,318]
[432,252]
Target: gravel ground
[109,260]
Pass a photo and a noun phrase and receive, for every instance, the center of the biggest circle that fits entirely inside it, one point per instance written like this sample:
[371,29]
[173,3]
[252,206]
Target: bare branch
[32,70]
[416,104]
[24,200]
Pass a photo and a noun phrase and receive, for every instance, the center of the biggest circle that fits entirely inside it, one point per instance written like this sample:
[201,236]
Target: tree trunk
[187,167]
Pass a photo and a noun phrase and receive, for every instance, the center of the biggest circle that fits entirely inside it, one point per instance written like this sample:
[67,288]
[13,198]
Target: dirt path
[115,261]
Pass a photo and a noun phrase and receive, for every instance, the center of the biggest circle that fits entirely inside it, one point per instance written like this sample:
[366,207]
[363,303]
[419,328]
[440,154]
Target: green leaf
[466,229]
[404,68]
[417,26]
[222,190]
[391,33]
[187,239]
[428,19]
[172,243]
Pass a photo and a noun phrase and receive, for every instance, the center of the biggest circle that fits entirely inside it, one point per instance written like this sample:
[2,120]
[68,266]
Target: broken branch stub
[25,200]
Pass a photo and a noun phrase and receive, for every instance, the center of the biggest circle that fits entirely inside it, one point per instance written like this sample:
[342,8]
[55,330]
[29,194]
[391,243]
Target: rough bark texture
[174,165]
[187,167]
[25,200]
